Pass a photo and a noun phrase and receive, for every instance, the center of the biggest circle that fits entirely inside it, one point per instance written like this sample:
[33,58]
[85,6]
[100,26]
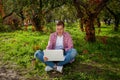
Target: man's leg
[39,55]
[70,55]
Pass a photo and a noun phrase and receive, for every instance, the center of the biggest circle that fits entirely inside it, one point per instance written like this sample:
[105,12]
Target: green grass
[99,62]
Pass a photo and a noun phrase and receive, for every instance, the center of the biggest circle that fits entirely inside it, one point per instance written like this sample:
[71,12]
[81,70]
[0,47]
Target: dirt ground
[9,74]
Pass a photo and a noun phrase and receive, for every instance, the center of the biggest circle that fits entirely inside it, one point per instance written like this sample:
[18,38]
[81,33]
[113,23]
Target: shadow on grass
[82,71]
[86,71]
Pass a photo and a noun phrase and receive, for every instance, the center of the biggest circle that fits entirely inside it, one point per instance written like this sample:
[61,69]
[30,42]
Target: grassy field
[95,61]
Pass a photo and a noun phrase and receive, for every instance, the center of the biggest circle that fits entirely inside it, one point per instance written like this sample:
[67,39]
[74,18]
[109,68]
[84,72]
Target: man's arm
[49,46]
[69,43]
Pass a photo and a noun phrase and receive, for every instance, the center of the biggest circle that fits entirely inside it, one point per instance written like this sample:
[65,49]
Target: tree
[114,10]
[36,10]
[39,10]
[11,17]
[88,11]
[2,13]
[65,13]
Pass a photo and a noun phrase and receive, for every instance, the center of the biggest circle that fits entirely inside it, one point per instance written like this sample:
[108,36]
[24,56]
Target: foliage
[4,28]
[66,13]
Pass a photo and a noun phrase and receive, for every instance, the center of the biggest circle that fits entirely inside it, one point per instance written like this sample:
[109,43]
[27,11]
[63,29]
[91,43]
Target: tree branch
[53,6]
[100,6]
[78,8]
[8,15]
[110,11]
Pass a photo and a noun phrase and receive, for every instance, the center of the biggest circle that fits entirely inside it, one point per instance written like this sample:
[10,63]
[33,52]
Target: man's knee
[73,53]
[37,53]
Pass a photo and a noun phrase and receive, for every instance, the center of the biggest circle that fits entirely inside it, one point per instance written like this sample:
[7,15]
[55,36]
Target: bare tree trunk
[2,13]
[116,26]
[38,18]
[36,21]
[90,30]
[81,22]
[98,24]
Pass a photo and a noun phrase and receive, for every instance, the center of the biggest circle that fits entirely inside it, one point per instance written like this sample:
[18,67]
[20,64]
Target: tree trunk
[90,30]
[116,24]
[36,21]
[2,13]
[81,22]
[98,24]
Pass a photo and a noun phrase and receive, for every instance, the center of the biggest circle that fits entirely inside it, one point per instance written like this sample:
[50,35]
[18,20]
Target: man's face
[59,29]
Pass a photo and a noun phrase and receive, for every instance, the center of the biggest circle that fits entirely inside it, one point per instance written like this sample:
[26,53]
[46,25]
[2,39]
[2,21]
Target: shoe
[48,68]
[59,69]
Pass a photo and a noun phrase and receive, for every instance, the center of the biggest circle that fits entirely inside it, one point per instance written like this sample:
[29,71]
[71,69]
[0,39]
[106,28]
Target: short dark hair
[60,23]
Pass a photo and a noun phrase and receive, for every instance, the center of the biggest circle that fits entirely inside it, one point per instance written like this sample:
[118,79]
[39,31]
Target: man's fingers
[45,58]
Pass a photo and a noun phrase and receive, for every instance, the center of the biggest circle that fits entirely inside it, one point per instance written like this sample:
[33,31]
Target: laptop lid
[54,55]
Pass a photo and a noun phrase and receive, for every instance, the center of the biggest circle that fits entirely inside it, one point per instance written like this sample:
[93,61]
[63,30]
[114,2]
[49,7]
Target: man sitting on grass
[58,40]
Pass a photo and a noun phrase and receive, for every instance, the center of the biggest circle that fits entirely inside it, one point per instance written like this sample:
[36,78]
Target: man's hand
[45,59]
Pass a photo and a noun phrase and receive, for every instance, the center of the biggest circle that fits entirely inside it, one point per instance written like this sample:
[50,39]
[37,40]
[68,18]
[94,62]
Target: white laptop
[54,55]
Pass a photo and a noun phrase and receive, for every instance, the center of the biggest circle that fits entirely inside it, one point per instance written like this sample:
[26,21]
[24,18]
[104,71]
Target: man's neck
[60,35]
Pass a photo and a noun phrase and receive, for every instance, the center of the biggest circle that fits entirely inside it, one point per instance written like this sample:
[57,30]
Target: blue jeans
[69,56]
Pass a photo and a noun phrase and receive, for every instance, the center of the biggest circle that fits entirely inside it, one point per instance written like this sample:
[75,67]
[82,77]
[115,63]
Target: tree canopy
[40,12]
